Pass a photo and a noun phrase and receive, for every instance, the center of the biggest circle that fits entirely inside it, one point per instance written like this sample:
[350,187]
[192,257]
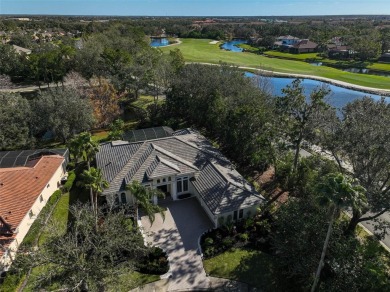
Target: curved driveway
[178,235]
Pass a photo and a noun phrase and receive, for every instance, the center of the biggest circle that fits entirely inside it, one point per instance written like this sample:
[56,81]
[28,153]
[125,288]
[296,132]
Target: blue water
[232,45]
[160,42]
[339,96]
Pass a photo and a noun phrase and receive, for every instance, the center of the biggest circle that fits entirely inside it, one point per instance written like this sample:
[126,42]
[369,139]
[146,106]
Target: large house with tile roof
[27,180]
[181,164]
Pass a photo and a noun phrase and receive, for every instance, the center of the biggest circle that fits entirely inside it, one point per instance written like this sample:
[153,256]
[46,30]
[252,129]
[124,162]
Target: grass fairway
[248,266]
[200,50]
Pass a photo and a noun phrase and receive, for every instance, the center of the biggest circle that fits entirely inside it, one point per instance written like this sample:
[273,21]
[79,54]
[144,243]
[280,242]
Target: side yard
[57,211]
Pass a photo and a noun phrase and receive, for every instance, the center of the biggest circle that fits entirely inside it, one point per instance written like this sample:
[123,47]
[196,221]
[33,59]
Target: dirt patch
[266,181]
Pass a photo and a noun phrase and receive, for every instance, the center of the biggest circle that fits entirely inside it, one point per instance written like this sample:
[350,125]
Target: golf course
[206,51]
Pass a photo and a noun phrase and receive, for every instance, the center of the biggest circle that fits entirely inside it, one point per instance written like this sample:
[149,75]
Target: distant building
[385,58]
[304,46]
[285,42]
[21,50]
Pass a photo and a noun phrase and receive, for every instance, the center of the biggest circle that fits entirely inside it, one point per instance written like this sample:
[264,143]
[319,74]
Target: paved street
[178,235]
[371,227]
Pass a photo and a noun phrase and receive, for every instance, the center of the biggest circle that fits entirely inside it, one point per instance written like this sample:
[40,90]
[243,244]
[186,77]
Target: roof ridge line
[123,173]
[174,156]
[168,163]
[200,149]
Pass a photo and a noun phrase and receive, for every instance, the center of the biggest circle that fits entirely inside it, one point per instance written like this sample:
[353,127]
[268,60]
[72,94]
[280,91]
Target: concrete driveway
[178,235]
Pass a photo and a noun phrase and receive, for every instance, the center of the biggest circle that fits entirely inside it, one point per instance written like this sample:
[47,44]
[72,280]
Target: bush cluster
[69,183]
[156,262]
[250,232]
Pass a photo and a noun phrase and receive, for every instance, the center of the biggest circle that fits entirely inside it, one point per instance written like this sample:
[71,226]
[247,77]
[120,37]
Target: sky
[196,7]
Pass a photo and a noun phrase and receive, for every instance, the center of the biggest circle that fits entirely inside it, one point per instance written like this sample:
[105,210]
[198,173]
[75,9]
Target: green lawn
[248,266]
[200,50]
[99,135]
[301,57]
[59,216]
[129,280]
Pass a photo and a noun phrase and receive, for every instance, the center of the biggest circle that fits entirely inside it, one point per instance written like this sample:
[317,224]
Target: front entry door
[164,189]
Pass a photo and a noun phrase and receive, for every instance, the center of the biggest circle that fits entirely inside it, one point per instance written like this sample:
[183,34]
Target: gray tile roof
[220,186]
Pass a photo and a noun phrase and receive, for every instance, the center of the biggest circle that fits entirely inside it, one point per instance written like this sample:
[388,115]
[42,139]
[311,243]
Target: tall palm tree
[92,178]
[82,146]
[337,191]
[143,197]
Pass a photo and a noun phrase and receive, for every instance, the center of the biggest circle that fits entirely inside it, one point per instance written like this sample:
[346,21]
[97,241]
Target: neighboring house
[285,42]
[339,52]
[385,58]
[181,164]
[21,50]
[27,180]
[304,46]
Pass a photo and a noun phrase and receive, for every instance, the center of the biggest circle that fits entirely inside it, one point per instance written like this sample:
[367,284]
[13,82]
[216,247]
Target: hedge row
[33,232]
[69,183]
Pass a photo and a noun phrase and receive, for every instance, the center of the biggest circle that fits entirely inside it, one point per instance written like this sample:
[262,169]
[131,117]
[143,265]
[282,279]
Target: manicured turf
[200,50]
[59,216]
[248,266]
[292,56]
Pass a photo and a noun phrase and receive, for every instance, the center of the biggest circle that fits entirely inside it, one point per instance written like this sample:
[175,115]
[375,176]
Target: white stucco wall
[36,208]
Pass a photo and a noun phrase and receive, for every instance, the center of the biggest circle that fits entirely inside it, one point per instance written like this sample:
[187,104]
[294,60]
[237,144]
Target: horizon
[194,8]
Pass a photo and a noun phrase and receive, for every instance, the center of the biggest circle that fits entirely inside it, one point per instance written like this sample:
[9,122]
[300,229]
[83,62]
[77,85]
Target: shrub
[244,237]
[209,252]
[248,223]
[69,183]
[208,241]
[156,262]
[227,242]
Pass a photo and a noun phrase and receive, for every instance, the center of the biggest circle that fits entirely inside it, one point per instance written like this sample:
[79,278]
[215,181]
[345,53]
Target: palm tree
[143,197]
[82,146]
[337,191]
[92,178]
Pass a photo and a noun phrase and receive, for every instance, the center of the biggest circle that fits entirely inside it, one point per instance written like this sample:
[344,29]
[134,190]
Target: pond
[339,96]
[159,42]
[232,45]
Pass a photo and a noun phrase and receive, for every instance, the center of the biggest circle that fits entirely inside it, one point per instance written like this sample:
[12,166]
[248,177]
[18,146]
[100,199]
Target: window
[123,198]
[30,214]
[182,184]
[235,215]
[169,178]
[40,198]
[241,214]
[48,185]
[158,181]
[164,180]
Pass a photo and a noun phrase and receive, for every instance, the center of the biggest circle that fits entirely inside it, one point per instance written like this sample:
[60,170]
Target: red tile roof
[21,186]
[305,44]
[19,189]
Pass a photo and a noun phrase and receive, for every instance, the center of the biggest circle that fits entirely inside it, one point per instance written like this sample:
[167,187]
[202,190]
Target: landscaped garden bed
[156,262]
[249,233]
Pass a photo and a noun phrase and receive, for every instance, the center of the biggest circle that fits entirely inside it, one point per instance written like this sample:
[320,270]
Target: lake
[159,42]
[339,96]
[232,45]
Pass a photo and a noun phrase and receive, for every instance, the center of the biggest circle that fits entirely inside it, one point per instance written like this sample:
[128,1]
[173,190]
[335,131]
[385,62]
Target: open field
[200,50]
